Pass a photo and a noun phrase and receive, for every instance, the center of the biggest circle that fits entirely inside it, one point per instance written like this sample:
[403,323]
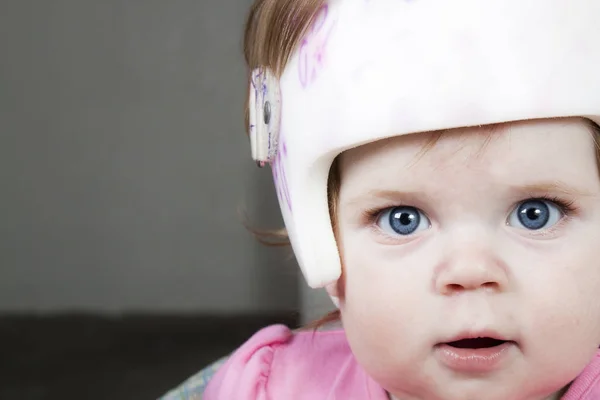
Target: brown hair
[274,29]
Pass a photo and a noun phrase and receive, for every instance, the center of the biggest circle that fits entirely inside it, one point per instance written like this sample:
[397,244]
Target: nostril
[454,288]
[490,285]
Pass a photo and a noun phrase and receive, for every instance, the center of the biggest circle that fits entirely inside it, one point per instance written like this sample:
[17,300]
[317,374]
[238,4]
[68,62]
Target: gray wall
[123,161]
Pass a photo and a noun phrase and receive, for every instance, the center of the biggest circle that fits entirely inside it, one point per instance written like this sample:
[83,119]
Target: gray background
[123,162]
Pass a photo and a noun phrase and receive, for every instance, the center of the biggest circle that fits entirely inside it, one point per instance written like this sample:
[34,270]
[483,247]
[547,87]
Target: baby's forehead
[530,147]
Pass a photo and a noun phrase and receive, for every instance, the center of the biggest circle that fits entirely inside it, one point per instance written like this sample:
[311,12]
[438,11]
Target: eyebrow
[383,194]
[553,187]
[527,189]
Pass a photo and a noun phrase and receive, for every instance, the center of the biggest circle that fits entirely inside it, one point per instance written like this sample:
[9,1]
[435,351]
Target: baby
[437,167]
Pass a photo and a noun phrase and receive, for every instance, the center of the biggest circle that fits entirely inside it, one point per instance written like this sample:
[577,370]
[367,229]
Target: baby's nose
[471,270]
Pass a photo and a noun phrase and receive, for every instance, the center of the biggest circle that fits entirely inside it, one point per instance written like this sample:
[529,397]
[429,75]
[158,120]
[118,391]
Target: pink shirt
[278,364]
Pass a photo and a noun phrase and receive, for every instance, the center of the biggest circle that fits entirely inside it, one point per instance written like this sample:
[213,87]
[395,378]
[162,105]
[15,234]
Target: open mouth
[476,343]
[479,354]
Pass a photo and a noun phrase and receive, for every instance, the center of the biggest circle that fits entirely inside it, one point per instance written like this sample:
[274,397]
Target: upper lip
[476,335]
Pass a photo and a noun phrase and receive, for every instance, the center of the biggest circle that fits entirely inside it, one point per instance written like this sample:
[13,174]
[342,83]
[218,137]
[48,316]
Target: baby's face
[485,234]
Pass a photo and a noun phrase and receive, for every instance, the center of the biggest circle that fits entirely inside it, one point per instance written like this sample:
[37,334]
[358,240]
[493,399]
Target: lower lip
[473,360]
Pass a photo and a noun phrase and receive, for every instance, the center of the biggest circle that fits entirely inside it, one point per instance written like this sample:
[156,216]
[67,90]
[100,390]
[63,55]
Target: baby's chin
[436,383]
[489,392]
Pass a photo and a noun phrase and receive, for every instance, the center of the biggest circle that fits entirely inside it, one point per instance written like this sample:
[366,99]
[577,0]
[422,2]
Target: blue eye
[535,215]
[402,221]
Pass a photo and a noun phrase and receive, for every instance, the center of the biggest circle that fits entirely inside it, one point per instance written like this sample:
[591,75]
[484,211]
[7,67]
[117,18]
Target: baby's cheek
[382,318]
[572,305]
[386,347]
[561,293]
[580,295]
[561,321]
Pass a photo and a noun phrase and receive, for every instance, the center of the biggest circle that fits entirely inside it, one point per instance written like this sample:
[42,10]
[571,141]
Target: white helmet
[372,69]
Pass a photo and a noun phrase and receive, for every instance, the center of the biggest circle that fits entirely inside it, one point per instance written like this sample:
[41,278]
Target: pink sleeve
[245,375]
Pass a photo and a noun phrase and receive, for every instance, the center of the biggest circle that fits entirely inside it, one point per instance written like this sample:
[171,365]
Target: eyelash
[567,207]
